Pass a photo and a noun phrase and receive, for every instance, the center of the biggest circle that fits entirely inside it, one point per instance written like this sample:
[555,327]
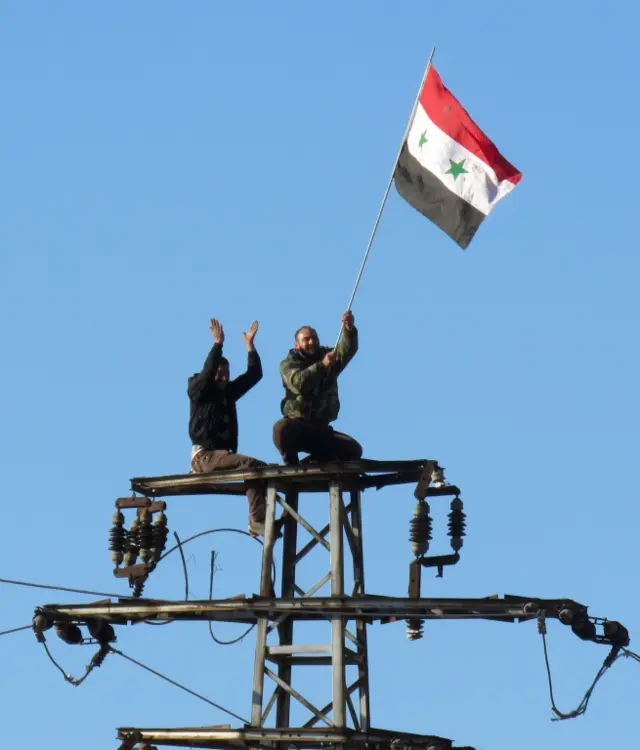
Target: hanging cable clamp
[542,622]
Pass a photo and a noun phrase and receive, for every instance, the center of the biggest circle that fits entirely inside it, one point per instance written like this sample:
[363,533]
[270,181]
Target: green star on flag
[423,139]
[456,168]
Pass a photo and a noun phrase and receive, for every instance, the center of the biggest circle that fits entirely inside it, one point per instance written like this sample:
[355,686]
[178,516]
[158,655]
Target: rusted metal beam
[303,477]
[299,737]
[243,609]
[310,661]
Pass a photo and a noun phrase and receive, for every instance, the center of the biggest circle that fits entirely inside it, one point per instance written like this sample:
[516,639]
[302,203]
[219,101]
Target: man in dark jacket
[213,420]
[310,378]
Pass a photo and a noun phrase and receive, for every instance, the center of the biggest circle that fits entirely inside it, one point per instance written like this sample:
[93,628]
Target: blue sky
[162,163]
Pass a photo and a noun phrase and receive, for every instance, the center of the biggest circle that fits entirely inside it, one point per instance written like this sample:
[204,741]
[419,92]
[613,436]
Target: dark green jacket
[311,390]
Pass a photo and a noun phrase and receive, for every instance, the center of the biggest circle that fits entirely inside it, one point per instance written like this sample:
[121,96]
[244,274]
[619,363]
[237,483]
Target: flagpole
[386,192]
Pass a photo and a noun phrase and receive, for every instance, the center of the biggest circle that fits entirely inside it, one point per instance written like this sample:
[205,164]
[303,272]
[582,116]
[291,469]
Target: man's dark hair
[224,361]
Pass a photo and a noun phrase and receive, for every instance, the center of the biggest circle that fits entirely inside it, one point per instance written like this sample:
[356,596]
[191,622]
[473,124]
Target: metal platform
[226,738]
[309,477]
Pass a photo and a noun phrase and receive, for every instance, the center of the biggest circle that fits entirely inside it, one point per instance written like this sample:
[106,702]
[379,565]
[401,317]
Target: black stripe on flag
[428,195]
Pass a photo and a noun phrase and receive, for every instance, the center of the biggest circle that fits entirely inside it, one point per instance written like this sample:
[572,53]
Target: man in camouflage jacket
[310,379]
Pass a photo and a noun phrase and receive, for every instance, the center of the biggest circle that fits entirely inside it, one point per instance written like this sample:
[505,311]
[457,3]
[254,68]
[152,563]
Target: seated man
[213,421]
[310,378]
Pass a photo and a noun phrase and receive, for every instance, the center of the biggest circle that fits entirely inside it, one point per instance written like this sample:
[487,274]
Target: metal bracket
[439,562]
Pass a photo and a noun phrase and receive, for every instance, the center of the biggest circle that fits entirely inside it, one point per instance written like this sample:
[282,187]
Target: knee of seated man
[285,429]
[279,428]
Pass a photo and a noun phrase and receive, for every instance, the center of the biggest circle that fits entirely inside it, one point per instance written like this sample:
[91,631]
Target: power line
[581,708]
[177,684]
[99,657]
[30,584]
[88,592]
[209,531]
[16,630]
[632,654]
[179,546]
[220,641]
[96,661]
[184,566]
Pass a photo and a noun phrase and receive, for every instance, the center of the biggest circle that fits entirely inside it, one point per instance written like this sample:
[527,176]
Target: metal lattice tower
[344,719]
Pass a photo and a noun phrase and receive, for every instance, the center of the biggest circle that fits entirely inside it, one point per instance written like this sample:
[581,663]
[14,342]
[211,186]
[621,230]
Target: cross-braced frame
[349,704]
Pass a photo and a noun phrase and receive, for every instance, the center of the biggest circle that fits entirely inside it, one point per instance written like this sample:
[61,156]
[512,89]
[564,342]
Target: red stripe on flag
[445,111]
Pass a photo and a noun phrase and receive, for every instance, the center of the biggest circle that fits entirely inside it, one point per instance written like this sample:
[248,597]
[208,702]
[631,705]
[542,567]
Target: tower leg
[361,627]
[266,590]
[285,629]
[337,590]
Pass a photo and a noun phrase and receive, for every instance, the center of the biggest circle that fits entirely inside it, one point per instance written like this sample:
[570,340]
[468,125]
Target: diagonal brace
[303,522]
[320,716]
[329,706]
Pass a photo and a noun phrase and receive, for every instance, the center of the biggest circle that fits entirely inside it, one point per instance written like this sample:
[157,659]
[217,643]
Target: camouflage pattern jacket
[311,391]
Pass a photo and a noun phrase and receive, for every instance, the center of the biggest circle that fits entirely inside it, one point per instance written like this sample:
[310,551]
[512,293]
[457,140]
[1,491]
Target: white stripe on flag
[478,185]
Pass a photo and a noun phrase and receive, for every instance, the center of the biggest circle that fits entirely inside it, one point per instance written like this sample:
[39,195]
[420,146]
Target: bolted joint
[542,622]
[131,741]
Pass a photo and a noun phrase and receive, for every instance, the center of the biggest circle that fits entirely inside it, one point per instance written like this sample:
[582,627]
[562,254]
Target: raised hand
[250,335]
[217,330]
[329,359]
[348,321]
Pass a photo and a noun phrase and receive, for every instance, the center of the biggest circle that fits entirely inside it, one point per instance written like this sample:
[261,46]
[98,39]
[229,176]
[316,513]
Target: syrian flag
[448,169]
